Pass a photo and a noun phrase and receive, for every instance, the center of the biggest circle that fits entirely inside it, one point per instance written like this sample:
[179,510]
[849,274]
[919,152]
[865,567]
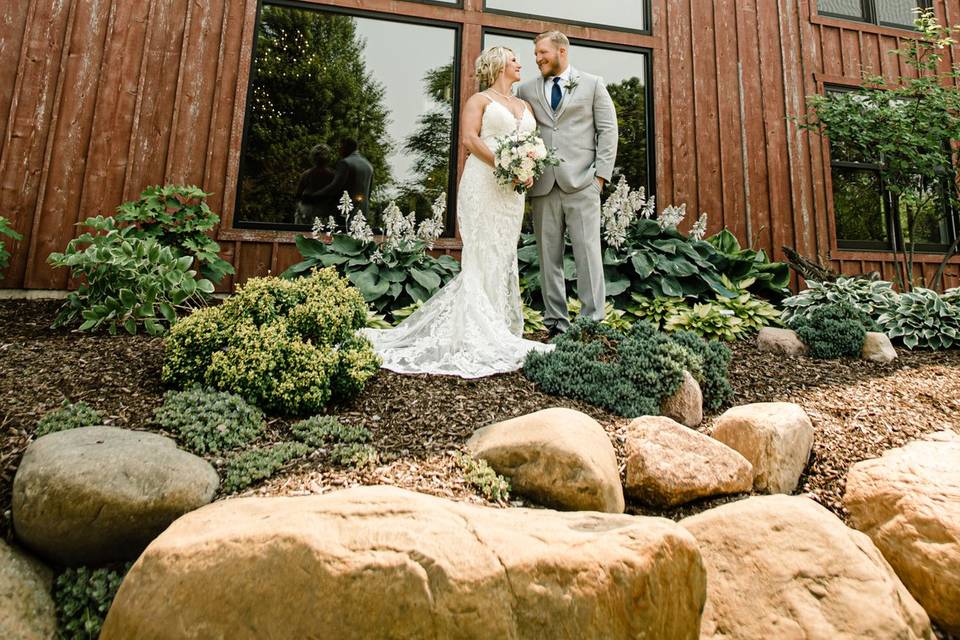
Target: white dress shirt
[548,85]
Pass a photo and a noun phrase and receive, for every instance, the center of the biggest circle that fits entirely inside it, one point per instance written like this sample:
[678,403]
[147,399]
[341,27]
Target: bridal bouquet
[522,156]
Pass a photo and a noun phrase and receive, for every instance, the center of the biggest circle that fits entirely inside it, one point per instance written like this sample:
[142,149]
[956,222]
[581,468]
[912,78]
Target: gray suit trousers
[579,214]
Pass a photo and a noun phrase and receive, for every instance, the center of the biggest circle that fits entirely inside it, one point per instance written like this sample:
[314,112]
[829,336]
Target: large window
[867,215]
[626,74]
[627,15]
[892,13]
[322,76]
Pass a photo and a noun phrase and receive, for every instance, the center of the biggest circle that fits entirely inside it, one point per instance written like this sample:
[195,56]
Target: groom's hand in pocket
[601,182]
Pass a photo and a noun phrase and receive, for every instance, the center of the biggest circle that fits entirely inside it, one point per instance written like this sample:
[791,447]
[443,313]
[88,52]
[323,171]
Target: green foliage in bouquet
[69,415]
[392,273]
[922,319]
[82,597]
[178,217]
[834,330]
[126,282]
[629,373]
[207,421]
[259,463]
[6,231]
[283,345]
[873,297]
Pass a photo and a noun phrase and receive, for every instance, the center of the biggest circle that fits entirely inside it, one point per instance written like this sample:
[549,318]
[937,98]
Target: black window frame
[891,212]
[449,224]
[649,113]
[870,15]
[647,19]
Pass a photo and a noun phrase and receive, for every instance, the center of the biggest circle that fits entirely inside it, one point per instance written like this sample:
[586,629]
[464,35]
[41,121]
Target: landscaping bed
[858,408]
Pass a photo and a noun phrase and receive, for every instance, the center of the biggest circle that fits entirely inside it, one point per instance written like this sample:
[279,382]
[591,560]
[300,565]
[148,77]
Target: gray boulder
[26,606]
[101,494]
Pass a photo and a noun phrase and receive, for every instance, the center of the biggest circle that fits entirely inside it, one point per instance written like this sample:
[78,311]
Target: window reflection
[858,207]
[320,77]
[844,8]
[619,14]
[897,12]
[625,75]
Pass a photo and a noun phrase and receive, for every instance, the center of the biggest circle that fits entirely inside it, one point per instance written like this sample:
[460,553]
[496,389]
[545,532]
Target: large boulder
[669,464]
[908,502]
[686,404]
[785,341]
[382,562]
[26,605]
[785,567]
[101,494]
[559,457]
[878,348]
[776,437]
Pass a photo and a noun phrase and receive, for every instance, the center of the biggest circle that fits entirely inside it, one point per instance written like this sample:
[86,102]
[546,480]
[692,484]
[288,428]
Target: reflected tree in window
[630,99]
[429,144]
[310,86]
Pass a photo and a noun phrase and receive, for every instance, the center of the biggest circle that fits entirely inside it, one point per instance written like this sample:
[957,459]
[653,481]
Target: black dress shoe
[554,332]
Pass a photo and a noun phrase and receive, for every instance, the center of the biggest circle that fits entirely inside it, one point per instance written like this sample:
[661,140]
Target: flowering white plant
[520,157]
[620,209]
[699,228]
[400,232]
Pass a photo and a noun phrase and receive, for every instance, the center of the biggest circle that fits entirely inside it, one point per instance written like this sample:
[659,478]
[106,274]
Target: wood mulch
[859,409]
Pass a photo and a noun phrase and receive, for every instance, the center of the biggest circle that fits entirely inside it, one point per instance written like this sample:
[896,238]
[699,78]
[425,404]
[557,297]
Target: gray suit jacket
[583,131]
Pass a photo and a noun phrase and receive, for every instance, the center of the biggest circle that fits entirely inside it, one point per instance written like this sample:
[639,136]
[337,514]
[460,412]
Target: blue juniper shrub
[834,330]
[629,373]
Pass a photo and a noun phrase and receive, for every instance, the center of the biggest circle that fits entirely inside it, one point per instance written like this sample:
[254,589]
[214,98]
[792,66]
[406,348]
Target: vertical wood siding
[101,98]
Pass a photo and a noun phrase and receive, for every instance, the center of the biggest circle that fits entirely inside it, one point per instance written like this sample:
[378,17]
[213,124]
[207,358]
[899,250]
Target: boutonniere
[571,84]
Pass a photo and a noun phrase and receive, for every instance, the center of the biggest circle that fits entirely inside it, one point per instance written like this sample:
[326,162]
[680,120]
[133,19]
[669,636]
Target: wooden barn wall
[100,98]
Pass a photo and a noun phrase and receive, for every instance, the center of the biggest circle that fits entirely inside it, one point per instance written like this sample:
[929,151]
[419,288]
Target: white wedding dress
[473,326]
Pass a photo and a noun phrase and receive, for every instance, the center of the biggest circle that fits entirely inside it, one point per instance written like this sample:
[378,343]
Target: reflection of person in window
[354,174]
[314,179]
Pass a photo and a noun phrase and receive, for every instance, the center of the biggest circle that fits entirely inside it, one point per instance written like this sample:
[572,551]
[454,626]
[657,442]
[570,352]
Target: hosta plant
[753,312]
[709,321]
[612,317]
[390,273]
[178,217]
[653,309]
[125,281]
[922,319]
[6,231]
[873,297]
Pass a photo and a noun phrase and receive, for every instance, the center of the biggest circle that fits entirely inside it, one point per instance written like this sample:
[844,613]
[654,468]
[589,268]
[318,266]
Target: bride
[473,326]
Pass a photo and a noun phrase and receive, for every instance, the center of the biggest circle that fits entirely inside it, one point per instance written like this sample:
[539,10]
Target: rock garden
[719,458]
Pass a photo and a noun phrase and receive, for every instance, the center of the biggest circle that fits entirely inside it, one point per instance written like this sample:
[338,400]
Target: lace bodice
[473,326]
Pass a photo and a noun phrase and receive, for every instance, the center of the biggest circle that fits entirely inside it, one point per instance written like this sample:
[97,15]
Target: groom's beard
[552,68]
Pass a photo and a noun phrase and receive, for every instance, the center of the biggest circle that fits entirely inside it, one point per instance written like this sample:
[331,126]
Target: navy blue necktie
[556,95]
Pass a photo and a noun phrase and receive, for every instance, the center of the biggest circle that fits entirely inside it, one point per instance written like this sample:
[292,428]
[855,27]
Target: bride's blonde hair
[490,64]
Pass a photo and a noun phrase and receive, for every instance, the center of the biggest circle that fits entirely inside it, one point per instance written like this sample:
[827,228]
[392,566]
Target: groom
[576,117]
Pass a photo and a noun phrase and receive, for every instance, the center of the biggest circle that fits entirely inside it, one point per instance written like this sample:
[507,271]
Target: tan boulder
[686,404]
[878,348]
[558,457]
[100,494]
[778,340]
[381,562]
[669,464]
[775,437]
[908,502]
[784,567]
[26,605]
